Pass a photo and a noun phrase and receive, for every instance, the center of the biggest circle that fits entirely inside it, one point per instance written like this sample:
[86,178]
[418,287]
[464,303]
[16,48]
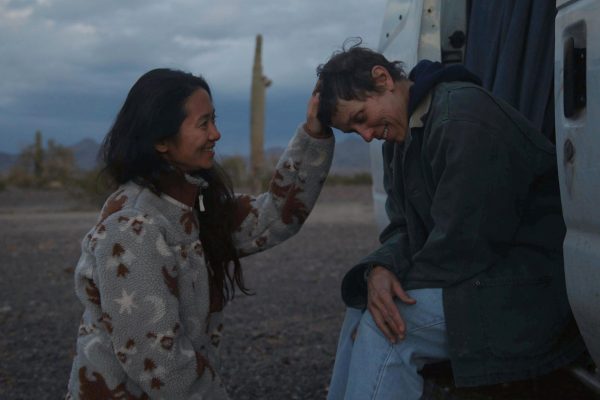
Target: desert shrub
[360,178]
[59,166]
[52,167]
[242,179]
[91,187]
[235,166]
[20,177]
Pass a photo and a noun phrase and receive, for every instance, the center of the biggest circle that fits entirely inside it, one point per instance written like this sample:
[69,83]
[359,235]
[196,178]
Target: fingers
[313,125]
[383,286]
[317,88]
[313,103]
[386,315]
[401,293]
[382,324]
[387,320]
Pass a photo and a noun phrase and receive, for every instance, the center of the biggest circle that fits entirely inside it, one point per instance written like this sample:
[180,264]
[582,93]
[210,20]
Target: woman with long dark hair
[163,258]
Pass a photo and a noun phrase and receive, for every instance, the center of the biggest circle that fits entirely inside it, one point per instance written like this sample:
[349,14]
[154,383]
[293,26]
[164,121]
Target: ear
[382,78]
[161,146]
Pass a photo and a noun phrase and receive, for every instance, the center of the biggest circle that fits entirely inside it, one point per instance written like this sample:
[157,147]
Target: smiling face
[193,148]
[381,115]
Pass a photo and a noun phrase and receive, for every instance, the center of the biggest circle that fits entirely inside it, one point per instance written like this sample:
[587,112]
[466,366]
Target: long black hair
[152,112]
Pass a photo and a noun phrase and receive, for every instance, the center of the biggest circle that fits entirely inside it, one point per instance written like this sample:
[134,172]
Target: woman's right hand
[312,125]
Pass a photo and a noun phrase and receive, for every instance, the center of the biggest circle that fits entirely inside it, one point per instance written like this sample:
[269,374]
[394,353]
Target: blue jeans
[370,367]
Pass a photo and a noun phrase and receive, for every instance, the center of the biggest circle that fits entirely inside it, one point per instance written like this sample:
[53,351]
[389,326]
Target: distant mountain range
[351,156]
[85,152]
[6,161]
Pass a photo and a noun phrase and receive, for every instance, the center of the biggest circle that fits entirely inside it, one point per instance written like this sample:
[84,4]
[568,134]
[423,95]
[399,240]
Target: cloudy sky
[66,65]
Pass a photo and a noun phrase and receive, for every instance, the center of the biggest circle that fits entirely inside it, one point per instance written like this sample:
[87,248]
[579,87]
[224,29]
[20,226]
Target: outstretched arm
[271,217]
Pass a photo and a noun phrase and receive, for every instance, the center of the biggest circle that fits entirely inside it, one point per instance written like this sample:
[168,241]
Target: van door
[414,30]
[577,117]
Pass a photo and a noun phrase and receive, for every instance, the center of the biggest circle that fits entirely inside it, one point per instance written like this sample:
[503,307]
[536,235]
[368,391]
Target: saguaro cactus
[257,118]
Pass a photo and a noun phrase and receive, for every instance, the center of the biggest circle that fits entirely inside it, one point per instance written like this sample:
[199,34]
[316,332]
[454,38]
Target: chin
[207,165]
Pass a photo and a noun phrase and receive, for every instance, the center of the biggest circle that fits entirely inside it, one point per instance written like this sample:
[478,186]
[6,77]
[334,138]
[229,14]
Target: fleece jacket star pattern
[147,330]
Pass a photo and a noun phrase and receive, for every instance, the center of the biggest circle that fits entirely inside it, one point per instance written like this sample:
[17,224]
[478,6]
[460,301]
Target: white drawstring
[201,203]
[201,184]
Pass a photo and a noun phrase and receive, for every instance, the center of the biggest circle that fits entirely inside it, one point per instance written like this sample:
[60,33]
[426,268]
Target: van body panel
[578,156]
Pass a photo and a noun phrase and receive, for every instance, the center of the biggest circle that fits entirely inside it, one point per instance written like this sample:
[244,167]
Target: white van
[560,64]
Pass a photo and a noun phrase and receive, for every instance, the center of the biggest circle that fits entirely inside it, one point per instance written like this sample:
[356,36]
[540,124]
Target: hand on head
[313,126]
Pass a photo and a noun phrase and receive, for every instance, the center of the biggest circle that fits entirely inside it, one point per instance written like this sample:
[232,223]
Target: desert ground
[278,344]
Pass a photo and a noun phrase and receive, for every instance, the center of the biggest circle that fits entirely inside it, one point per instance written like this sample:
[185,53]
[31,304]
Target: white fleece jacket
[147,331]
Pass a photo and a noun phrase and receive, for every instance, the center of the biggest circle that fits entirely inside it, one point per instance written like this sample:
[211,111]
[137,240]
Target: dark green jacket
[474,205]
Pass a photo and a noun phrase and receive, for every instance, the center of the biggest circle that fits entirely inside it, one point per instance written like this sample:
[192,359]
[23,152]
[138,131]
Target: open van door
[577,116]
[415,30]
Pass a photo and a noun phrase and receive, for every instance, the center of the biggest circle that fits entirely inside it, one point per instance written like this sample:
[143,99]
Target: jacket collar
[182,187]
[416,118]
[427,74]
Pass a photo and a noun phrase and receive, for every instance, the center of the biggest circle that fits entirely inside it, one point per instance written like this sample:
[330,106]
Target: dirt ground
[278,344]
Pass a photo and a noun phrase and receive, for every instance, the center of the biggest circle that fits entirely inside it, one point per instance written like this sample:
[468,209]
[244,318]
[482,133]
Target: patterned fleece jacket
[147,331]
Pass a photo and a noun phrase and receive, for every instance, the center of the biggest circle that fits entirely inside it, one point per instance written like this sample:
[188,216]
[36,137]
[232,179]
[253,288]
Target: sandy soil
[278,344]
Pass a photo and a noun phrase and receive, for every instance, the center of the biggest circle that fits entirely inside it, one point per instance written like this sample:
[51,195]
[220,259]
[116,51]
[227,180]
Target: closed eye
[359,118]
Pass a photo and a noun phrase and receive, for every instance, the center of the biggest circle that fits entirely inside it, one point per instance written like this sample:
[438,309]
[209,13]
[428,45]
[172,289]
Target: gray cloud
[67,64]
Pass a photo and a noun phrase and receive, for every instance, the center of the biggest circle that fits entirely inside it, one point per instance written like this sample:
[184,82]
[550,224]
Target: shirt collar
[176,202]
[422,109]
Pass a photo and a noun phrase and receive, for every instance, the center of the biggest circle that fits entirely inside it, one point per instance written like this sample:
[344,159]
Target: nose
[366,133]
[214,134]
